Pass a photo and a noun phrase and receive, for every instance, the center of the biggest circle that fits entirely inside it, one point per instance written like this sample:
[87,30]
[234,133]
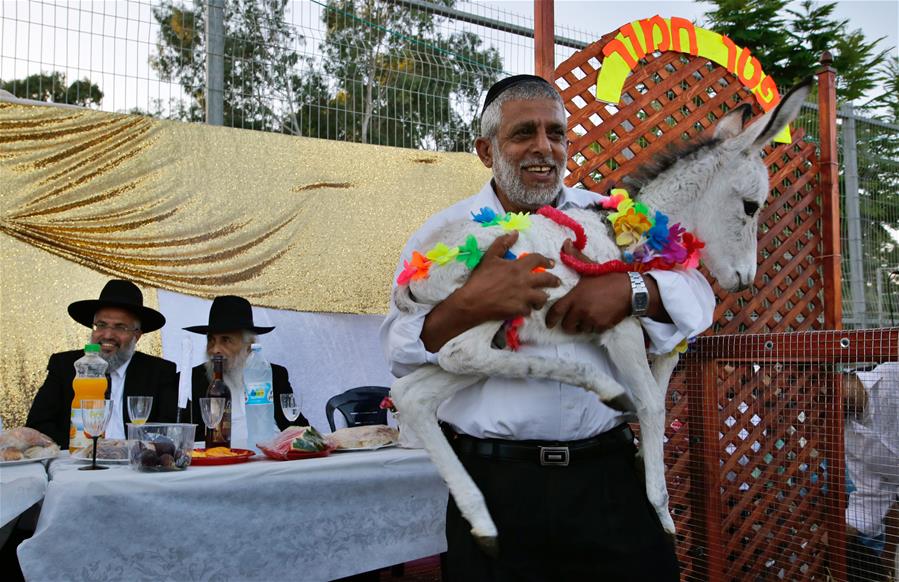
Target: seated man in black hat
[118,319]
[231,333]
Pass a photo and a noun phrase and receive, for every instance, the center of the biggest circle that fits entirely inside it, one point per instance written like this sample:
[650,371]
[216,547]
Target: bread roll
[11,454]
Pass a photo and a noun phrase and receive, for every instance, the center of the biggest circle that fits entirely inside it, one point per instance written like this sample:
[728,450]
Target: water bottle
[260,408]
[89,384]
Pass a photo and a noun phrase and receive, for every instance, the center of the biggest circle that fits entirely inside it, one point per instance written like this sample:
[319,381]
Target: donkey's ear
[731,125]
[765,129]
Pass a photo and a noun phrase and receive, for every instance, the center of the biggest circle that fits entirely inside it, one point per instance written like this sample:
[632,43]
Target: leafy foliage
[387,75]
[789,42]
[400,81]
[260,64]
[53,88]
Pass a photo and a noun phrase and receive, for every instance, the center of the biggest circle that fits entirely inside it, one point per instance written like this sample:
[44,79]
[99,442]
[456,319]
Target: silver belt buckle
[554,456]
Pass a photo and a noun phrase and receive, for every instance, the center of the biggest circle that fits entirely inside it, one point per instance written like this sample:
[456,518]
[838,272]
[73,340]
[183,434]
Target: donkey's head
[719,187]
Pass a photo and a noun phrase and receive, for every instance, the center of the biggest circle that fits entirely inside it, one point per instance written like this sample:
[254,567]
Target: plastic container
[259,399]
[159,446]
[90,383]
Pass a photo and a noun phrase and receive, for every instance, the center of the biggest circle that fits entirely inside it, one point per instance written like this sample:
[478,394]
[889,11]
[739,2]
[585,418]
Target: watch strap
[639,295]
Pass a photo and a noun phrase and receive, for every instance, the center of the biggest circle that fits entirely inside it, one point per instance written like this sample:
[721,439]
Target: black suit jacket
[51,410]
[280,385]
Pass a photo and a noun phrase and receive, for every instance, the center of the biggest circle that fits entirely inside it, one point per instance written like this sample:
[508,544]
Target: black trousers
[587,521]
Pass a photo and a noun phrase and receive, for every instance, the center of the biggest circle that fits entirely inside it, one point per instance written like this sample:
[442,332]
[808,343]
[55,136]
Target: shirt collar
[120,371]
[568,197]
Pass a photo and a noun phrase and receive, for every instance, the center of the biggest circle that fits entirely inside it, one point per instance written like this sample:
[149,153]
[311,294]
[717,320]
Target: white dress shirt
[116,427]
[524,409]
[872,451]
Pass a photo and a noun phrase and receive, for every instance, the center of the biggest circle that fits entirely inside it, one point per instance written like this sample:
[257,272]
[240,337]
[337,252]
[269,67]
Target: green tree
[53,88]
[264,87]
[789,42]
[399,80]
[886,105]
[761,26]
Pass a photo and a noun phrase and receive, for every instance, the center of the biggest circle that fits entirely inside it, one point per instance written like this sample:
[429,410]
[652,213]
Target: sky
[876,18]
[112,42]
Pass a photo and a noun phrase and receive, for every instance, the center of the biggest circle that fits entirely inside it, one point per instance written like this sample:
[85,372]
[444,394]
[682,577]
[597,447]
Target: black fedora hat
[229,313]
[124,295]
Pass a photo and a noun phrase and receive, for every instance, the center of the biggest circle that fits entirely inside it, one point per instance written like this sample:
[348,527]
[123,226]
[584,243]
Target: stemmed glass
[290,406]
[95,416]
[212,410]
[139,408]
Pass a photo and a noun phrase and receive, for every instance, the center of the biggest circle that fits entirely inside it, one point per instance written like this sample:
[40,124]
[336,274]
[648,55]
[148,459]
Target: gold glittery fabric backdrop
[288,222]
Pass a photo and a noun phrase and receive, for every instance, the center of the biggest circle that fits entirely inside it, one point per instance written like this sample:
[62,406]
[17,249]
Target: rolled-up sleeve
[690,302]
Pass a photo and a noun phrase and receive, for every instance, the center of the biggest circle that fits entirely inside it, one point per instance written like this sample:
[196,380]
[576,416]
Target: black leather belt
[546,453]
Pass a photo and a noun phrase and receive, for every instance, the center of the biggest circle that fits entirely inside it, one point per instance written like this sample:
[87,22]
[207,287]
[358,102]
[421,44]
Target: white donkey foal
[714,191]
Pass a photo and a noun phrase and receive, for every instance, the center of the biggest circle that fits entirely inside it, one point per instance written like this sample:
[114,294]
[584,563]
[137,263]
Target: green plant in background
[400,80]
[54,88]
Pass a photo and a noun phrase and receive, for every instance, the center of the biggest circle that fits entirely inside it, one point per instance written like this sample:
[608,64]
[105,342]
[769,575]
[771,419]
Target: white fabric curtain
[324,353]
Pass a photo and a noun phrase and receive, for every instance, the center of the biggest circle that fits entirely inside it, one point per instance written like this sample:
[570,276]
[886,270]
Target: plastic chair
[359,406]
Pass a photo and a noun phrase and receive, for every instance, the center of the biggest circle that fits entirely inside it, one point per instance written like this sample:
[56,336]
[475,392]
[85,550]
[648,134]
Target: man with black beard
[231,333]
[583,513]
[118,319]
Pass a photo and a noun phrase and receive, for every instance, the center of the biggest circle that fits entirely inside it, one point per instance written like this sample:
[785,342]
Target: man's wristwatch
[639,295]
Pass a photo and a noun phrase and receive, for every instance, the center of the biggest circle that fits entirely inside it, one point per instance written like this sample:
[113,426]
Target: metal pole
[215,62]
[491,23]
[853,214]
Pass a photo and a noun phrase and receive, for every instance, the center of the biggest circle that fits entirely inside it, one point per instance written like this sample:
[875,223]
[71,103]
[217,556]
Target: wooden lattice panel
[769,523]
[774,470]
[672,97]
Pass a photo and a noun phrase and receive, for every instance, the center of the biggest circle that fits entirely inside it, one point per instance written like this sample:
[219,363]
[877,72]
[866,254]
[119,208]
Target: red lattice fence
[754,439]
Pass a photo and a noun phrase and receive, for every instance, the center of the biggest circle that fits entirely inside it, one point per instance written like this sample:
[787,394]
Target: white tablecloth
[312,519]
[21,486]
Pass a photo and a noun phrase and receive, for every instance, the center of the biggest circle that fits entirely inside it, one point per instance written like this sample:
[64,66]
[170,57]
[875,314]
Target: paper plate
[244,455]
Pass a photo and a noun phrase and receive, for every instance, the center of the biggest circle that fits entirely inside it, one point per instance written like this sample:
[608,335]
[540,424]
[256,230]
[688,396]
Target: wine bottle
[220,434]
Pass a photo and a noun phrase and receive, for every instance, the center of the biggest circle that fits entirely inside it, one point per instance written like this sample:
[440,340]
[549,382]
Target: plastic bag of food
[296,442]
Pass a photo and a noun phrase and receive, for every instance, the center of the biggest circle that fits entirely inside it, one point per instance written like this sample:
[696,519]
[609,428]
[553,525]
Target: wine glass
[212,410]
[95,416]
[139,408]
[290,406]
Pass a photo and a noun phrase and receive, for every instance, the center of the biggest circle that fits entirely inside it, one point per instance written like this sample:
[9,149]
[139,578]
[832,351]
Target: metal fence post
[853,216]
[215,62]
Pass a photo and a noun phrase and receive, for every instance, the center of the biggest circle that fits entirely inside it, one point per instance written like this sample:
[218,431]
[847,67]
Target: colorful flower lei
[647,242]
[468,252]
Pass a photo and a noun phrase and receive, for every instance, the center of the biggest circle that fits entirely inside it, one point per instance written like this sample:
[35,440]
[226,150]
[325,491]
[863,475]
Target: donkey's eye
[750,207]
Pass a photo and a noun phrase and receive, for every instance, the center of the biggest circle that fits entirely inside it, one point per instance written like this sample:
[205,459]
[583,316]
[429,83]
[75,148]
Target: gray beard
[233,374]
[508,178]
[121,355]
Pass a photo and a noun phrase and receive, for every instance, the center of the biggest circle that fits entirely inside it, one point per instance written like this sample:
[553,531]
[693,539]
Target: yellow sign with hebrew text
[641,37]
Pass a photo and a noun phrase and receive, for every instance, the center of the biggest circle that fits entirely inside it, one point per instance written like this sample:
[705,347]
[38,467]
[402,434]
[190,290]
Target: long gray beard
[233,375]
[508,178]
[121,355]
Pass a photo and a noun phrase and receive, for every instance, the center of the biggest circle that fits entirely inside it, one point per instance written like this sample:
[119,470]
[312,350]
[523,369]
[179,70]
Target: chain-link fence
[385,72]
[869,207]
[389,72]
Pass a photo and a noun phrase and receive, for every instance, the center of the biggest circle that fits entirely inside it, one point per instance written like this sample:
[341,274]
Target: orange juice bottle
[89,384]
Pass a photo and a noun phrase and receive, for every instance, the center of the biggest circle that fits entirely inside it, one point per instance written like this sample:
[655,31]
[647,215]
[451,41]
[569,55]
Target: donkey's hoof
[668,524]
[622,403]
[488,544]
